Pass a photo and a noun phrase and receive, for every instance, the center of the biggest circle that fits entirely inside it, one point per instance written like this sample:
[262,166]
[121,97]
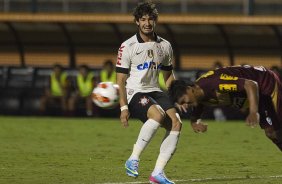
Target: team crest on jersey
[144,101]
[150,53]
[160,50]
[130,92]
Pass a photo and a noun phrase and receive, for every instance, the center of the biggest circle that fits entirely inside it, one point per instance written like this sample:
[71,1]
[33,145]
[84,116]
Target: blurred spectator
[108,73]
[162,82]
[277,70]
[217,64]
[84,84]
[57,90]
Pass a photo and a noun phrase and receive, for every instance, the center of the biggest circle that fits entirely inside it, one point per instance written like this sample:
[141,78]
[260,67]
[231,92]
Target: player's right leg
[143,107]
[160,179]
[278,140]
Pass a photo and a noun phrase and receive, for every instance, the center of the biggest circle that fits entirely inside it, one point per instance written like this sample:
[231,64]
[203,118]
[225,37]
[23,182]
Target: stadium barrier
[197,40]
[22,88]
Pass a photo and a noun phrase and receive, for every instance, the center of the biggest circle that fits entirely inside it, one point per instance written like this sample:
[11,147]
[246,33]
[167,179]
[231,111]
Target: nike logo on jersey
[137,53]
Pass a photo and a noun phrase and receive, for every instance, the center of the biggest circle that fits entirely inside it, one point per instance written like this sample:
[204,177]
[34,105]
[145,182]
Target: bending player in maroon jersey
[255,89]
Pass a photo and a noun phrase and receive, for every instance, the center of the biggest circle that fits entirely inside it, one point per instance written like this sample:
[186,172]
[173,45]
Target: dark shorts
[270,109]
[141,102]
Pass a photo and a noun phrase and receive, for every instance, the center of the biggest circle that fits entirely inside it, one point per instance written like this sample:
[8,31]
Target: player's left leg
[275,114]
[271,119]
[168,146]
[274,135]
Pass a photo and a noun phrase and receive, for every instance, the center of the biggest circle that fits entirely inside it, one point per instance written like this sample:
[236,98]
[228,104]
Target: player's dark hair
[145,8]
[178,88]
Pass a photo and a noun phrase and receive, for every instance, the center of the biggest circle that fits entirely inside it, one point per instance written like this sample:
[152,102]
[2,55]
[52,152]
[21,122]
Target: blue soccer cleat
[131,167]
[160,179]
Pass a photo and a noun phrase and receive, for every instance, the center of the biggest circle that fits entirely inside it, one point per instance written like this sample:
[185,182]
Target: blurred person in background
[108,73]
[162,81]
[255,90]
[84,85]
[277,70]
[217,64]
[57,91]
[140,59]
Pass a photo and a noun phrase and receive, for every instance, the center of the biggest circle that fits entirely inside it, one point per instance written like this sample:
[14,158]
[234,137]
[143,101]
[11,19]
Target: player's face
[146,24]
[188,98]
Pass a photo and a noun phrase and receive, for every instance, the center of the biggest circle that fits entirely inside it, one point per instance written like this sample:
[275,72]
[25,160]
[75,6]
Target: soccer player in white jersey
[140,59]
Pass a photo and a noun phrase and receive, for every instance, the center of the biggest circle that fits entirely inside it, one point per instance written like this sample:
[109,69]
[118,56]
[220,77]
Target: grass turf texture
[61,150]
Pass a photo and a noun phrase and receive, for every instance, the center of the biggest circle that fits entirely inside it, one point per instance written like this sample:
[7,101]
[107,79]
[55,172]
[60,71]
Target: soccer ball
[105,95]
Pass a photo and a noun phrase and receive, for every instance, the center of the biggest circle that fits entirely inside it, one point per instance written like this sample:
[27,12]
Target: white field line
[205,179]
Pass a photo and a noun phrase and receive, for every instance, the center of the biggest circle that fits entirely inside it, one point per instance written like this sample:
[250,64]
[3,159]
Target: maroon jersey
[225,86]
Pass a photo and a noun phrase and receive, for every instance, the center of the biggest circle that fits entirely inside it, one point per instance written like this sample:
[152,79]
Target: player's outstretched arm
[124,115]
[252,91]
[198,126]
[196,122]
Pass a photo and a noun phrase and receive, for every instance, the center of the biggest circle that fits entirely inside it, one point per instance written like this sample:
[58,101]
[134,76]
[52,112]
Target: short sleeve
[123,59]
[167,63]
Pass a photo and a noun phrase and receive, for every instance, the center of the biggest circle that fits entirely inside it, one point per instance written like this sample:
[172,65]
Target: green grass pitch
[46,150]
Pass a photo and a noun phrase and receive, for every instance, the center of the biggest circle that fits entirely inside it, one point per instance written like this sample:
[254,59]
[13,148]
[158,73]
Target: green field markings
[218,179]
[35,150]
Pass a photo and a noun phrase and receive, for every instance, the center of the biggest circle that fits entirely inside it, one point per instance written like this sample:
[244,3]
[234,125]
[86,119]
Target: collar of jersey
[140,40]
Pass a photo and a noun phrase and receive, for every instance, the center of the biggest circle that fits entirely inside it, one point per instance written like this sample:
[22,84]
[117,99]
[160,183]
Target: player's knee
[275,136]
[156,113]
[176,122]
[158,117]
[270,133]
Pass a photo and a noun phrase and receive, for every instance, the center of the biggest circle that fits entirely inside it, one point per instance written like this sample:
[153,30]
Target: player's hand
[182,108]
[252,119]
[124,116]
[199,127]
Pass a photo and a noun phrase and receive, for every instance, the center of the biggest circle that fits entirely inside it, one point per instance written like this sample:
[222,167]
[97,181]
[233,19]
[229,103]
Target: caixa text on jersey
[149,65]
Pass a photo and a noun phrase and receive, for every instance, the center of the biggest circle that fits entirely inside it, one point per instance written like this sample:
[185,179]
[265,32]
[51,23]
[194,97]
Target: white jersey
[142,62]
